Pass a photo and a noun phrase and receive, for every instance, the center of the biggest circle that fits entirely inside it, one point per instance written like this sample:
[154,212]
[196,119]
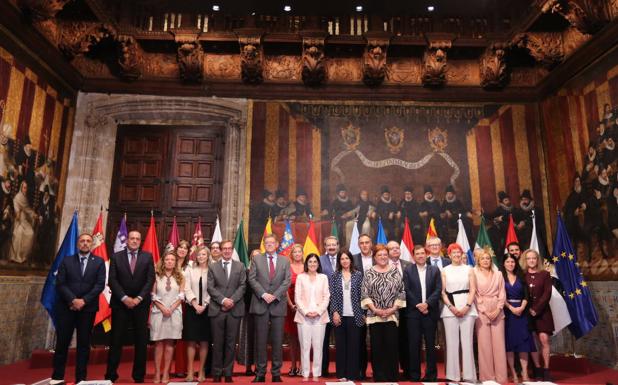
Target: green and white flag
[483,241]
[240,246]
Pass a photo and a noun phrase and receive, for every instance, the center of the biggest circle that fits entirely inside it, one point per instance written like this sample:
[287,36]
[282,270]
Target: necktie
[271,268]
[83,262]
[133,261]
[396,263]
[200,289]
[435,262]
[333,262]
[227,271]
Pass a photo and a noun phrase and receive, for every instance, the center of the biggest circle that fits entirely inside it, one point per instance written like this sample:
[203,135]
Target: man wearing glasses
[434,249]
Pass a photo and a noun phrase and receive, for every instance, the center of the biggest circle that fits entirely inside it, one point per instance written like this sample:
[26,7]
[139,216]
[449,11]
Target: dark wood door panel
[175,171]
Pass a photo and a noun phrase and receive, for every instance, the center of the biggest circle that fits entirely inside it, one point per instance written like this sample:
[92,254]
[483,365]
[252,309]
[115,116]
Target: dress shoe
[276,379]
[141,380]
[415,379]
[111,377]
[292,372]
[429,379]
[216,379]
[228,379]
[547,375]
[259,379]
[249,372]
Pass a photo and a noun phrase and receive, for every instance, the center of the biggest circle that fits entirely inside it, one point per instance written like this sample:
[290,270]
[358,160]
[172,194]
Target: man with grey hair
[435,258]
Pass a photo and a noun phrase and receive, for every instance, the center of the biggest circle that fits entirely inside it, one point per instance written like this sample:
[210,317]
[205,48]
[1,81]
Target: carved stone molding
[374,61]
[314,69]
[586,16]
[128,58]
[78,38]
[42,9]
[94,138]
[545,47]
[251,54]
[433,70]
[492,66]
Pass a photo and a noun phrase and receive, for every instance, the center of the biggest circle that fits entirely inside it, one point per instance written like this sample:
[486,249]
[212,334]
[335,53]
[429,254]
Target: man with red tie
[269,278]
[131,277]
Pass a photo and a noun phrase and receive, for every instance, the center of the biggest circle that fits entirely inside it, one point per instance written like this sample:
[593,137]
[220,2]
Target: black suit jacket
[122,282]
[433,287]
[358,263]
[70,284]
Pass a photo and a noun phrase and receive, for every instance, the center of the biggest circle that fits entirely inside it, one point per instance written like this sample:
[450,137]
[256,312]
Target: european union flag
[381,235]
[577,295]
[68,248]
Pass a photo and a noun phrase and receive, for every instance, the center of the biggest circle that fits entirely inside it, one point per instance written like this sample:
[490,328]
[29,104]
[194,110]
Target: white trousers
[453,328]
[311,335]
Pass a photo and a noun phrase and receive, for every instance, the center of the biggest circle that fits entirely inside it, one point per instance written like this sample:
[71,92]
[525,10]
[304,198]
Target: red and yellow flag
[431,230]
[268,229]
[311,242]
[98,248]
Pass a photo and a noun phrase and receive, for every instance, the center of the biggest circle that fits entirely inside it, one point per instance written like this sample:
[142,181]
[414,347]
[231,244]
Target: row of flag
[574,308]
[151,245]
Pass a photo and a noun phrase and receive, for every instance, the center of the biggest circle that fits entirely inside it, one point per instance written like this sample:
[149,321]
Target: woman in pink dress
[490,298]
[290,327]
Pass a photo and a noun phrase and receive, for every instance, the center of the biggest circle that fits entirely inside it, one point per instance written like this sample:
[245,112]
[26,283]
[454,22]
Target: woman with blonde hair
[196,326]
[291,329]
[539,285]
[490,298]
[166,314]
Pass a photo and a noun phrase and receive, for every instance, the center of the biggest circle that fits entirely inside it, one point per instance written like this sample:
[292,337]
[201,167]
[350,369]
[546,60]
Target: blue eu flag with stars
[68,248]
[381,235]
[576,292]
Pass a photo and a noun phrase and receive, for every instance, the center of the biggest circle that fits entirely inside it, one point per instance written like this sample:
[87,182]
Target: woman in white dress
[458,315]
[166,314]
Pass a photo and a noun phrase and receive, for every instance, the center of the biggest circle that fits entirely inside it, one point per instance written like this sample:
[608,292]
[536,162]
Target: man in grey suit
[226,287]
[269,278]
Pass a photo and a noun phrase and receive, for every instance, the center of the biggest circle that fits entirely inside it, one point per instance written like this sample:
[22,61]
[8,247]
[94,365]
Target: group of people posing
[397,303]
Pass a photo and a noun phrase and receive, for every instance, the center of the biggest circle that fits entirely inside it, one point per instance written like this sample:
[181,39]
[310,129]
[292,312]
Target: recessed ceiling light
[287,8]
[359,8]
[431,8]
[215,7]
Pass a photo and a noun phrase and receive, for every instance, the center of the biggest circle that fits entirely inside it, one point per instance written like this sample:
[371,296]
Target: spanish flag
[311,242]
[267,230]
[431,230]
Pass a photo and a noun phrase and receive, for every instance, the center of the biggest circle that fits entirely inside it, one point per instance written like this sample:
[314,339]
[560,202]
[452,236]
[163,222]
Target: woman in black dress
[196,328]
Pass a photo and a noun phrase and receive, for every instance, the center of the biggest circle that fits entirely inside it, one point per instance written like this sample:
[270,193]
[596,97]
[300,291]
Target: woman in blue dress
[517,333]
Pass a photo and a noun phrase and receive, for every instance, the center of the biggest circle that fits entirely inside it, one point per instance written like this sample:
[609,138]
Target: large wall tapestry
[389,161]
[35,130]
[581,123]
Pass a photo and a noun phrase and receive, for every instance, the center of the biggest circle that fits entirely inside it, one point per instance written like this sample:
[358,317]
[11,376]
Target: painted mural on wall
[359,163]
[582,129]
[35,131]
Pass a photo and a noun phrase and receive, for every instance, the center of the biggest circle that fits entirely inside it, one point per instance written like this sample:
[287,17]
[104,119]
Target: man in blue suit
[80,280]
[435,258]
[328,262]
[423,285]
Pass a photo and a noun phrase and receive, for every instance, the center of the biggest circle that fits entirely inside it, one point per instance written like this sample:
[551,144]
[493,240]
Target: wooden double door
[173,171]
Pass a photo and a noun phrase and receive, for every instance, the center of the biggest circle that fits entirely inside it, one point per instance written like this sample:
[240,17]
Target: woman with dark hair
[347,316]
[517,334]
[540,284]
[311,296]
[383,294]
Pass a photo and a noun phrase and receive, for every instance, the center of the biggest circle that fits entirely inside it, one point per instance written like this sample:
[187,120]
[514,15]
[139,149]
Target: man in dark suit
[434,247]
[394,254]
[226,287]
[423,285]
[131,277]
[363,262]
[80,280]
[269,278]
[328,261]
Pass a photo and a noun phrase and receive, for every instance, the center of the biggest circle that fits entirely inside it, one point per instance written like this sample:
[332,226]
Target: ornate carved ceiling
[187,48]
